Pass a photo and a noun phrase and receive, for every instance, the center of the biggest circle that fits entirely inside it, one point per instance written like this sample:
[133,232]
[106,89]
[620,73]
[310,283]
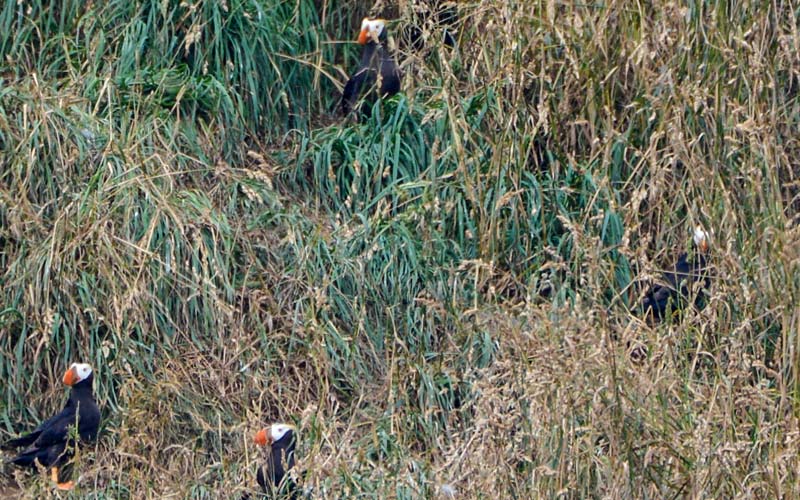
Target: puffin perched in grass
[433,16]
[53,444]
[377,74]
[677,286]
[272,476]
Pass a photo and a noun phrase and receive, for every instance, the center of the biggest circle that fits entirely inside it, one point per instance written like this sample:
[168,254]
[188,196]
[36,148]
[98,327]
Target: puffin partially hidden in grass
[378,74]
[53,445]
[435,17]
[677,288]
[272,476]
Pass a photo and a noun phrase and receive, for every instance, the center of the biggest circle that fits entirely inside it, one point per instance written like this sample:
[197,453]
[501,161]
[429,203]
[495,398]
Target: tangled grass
[442,297]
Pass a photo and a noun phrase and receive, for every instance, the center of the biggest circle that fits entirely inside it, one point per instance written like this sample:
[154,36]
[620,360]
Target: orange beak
[262,438]
[363,37]
[71,377]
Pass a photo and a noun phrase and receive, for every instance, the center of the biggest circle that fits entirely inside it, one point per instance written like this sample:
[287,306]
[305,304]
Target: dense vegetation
[443,296]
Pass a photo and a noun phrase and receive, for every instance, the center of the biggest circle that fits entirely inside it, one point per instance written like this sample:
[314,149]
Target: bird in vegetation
[280,439]
[431,16]
[377,73]
[55,442]
[676,288]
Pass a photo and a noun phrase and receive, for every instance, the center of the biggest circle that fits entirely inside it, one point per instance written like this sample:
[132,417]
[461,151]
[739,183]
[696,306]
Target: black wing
[49,442]
[47,456]
[58,430]
[273,477]
[676,288]
[352,89]
[390,75]
[375,59]
[30,438]
[657,300]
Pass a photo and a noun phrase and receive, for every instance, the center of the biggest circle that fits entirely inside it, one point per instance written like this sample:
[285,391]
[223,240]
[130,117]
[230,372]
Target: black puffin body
[432,16]
[272,476]
[51,445]
[377,74]
[676,289]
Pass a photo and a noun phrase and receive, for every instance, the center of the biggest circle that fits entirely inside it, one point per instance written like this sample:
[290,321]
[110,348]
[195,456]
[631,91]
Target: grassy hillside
[442,297]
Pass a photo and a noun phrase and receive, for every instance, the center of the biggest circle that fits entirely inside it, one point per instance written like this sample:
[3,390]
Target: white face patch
[83,370]
[277,431]
[373,27]
[701,236]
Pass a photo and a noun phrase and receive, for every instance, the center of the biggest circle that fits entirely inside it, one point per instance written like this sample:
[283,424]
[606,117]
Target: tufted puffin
[377,72]
[272,477]
[431,16]
[676,289]
[52,444]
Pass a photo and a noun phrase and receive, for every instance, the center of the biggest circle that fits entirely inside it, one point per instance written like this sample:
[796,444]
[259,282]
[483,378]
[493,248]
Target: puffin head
[371,29]
[273,434]
[77,373]
[701,239]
